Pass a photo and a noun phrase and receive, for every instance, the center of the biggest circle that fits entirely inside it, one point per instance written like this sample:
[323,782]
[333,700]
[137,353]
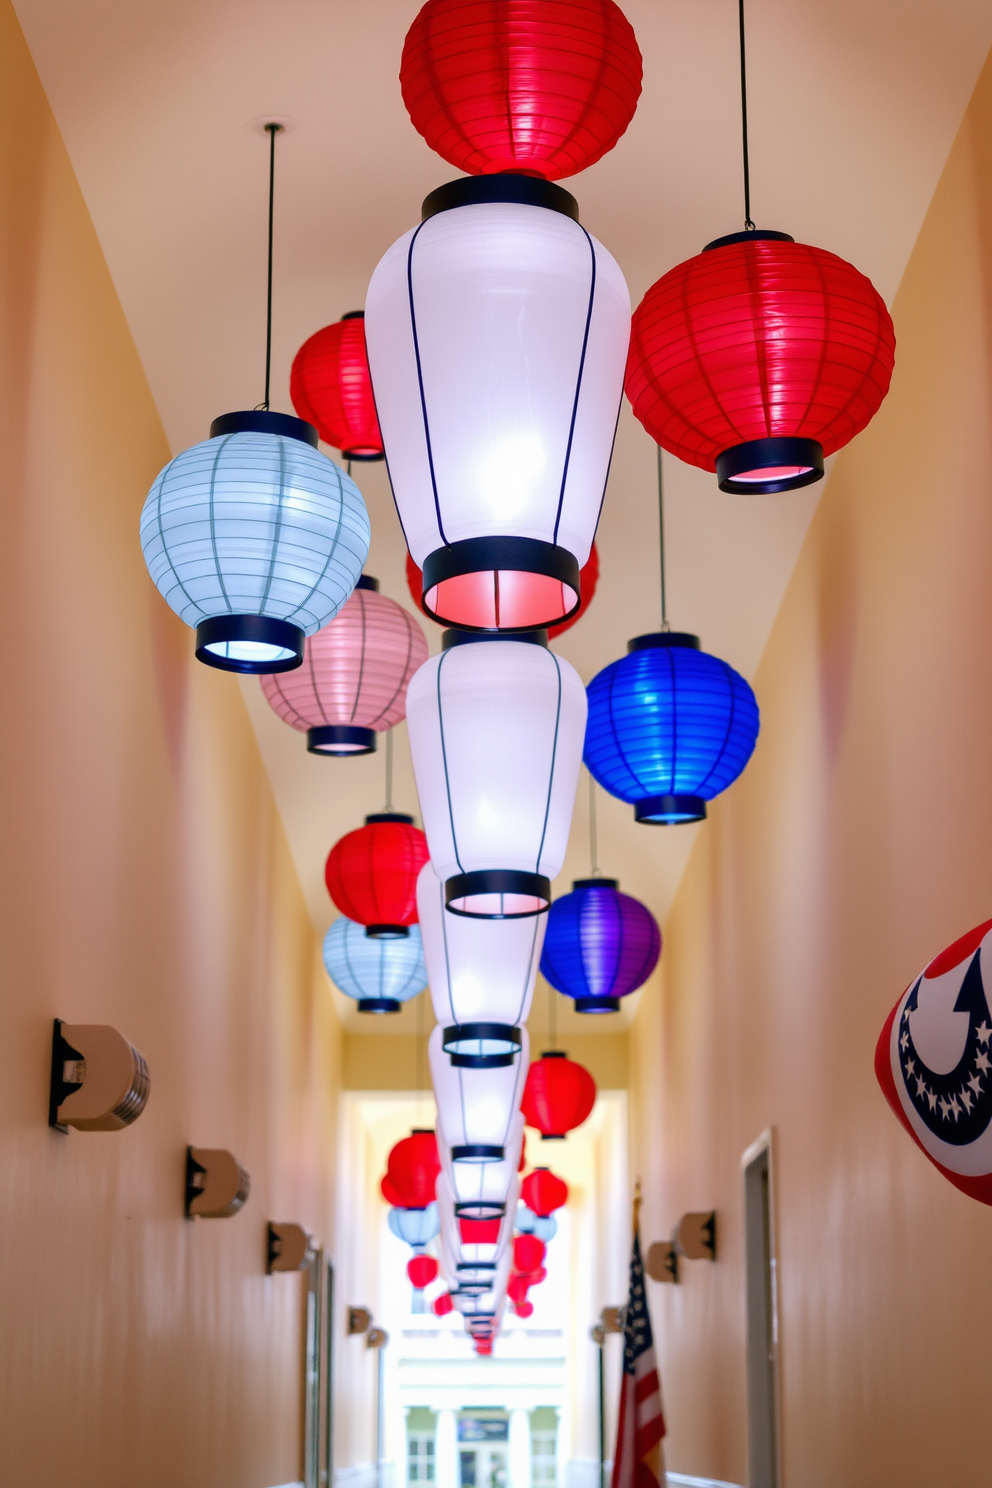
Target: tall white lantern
[484,1190]
[497,335]
[481,975]
[476,1108]
[496,729]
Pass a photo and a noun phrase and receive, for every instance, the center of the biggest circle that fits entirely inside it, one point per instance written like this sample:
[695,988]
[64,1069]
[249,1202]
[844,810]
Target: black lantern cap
[753,235]
[790,463]
[264,421]
[477,1152]
[480,1209]
[482,1045]
[668,811]
[661,639]
[455,636]
[501,186]
[597,1004]
[502,882]
[340,740]
[378,1005]
[256,630]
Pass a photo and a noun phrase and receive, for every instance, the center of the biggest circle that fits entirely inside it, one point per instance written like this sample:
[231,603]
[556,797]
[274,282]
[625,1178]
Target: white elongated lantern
[468,1258]
[476,1108]
[484,1190]
[497,335]
[255,539]
[481,974]
[496,730]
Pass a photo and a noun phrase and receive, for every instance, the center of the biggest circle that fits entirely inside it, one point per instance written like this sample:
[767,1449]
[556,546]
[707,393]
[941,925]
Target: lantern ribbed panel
[479,971]
[355,670]
[599,943]
[254,524]
[544,87]
[497,337]
[362,966]
[371,874]
[558,1096]
[415,1227]
[758,340]
[476,1107]
[543,1192]
[496,733]
[412,1168]
[669,721]
[331,388]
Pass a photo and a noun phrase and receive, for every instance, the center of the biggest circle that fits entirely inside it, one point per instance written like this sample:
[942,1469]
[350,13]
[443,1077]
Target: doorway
[762,1315]
[483,1451]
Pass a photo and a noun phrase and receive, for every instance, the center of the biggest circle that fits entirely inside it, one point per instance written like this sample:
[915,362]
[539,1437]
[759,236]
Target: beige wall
[144,882]
[856,846]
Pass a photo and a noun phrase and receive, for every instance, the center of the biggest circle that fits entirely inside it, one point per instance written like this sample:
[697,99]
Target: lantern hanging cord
[271,130]
[552,1019]
[389,770]
[594,871]
[661,544]
[748,224]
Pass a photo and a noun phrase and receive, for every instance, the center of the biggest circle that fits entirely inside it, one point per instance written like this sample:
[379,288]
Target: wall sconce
[695,1236]
[216,1183]
[288,1248]
[662,1261]
[359,1320]
[377,1338]
[99,1081]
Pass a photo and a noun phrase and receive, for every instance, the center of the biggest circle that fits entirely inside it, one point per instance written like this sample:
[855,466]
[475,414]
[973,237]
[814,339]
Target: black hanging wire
[748,224]
[661,544]
[271,130]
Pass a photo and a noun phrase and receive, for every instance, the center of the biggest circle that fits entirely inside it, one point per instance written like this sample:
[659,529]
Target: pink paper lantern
[352,684]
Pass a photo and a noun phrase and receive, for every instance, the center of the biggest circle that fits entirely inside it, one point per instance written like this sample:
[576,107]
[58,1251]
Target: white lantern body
[251,537]
[481,974]
[476,1108]
[497,335]
[471,1256]
[377,972]
[486,1189]
[496,731]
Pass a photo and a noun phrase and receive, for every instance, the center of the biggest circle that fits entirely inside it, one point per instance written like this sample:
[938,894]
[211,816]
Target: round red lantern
[558,1096]
[528,1254]
[517,1288]
[390,1193]
[442,1305]
[588,579]
[757,358]
[371,874]
[537,87]
[331,388]
[523,1309]
[484,1346]
[421,1270]
[412,1168]
[543,1192]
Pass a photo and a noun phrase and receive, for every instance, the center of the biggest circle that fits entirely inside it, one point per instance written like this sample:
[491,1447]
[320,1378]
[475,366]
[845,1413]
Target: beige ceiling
[854,105]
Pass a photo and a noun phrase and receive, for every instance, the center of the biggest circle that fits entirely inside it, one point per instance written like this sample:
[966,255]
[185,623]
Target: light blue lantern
[379,973]
[255,539]
[526,1222]
[415,1226]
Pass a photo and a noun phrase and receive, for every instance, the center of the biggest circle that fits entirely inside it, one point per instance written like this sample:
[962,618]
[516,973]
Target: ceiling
[853,108]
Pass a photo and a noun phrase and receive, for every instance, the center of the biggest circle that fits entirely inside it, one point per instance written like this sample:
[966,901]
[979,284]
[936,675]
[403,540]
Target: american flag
[638,1461]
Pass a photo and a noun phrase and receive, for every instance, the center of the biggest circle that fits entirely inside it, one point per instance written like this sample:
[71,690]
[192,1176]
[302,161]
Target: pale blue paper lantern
[415,1226]
[378,972]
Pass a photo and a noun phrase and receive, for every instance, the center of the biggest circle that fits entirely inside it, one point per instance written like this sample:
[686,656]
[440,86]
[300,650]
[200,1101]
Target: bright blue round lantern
[379,973]
[669,727]
[599,945]
[415,1226]
[255,539]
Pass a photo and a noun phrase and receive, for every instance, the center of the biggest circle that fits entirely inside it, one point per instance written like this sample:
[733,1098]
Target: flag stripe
[641,1424]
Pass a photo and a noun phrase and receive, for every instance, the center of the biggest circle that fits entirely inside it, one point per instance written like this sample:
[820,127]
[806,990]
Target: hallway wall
[144,882]
[854,848]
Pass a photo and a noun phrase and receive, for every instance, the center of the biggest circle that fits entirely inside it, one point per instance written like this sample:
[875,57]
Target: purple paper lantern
[600,945]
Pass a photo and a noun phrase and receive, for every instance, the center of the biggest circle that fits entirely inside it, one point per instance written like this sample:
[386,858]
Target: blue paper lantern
[256,539]
[669,727]
[379,973]
[526,1222]
[599,945]
[415,1226]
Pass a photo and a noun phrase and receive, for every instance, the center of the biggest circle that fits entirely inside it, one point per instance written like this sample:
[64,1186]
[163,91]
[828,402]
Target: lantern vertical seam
[278,527]
[554,751]
[670,658]
[701,369]
[213,529]
[756,293]
[333,549]
[618,746]
[404,679]
[161,538]
[311,667]
[587,109]
[275,681]
[447,959]
[728,678]
[530,963]
[420,381]
[461,1103]
[816,380]
[609,467]
[361,655]
[578,381]
[444,760]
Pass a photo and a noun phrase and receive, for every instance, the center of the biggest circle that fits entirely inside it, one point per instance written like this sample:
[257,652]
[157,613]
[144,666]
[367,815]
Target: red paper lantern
[523,1309]
[758,357]
[558,1096]
[390,1193]
[484,1346]
[588,579]
[536,87]
[479,1231]
[412,1169]
[422,1270]
[528,1254]
[543,1192]
[517,1288]
[371,874]
[442,1305]
[331,388]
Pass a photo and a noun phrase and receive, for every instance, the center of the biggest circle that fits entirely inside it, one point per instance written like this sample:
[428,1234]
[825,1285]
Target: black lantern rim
[501,186]
[365,581]
[670,811]
[378,1005]
[456,636]
[777,456]
[494,554]
[387,932]
[553,1136]
[340,740]
[660,640]
[253,630]
[480,1209]
[476,1266]
[264,421]
[497,1045]
[752,235]
[595,883]
[503,882]
[471,1289]
[597,1004]
[389,816]
[477,1152]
